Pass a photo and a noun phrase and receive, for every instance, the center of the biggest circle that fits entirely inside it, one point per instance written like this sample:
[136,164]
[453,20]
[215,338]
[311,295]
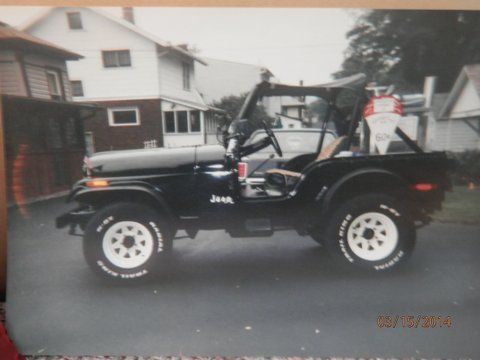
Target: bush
[467,167]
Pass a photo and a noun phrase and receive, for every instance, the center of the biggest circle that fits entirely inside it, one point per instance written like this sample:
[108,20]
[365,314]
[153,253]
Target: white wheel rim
[127,244]
[372,236]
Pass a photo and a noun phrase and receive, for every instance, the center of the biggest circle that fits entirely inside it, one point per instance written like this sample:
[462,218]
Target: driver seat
[328,152]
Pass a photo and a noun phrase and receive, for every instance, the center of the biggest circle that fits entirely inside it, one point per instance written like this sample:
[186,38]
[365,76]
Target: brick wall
[108,137]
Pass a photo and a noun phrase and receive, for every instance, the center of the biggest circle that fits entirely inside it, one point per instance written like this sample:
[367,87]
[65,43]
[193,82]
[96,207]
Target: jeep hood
[152,161]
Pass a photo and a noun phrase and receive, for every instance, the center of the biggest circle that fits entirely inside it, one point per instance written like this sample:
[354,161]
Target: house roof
[50,102]
[125,24]
[187,103]
[15,39]
[469,72]
[438,102]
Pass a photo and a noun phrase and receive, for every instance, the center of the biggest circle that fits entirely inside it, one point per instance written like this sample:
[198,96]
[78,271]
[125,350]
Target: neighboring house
[43,127]
[457,125]
[147,85]
[292,113]
[289,111]
[222,78]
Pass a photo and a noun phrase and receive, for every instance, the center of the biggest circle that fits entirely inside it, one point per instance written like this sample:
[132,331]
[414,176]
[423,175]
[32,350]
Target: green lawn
[461,206]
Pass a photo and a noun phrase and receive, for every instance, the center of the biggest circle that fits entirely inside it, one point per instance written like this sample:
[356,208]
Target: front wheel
[372,231]
[123,240]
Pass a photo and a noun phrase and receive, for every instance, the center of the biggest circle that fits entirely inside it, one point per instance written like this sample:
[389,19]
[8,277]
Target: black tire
[357,231]
[141,226]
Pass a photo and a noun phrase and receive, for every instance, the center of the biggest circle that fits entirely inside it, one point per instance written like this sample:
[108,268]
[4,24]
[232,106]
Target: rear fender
[363,181]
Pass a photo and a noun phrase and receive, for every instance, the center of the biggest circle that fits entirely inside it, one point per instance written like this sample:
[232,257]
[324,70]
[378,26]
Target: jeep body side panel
[395,172]
[172,177]
[215,183]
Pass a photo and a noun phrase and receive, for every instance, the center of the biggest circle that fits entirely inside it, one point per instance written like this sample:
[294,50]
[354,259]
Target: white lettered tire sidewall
[396,223]
[99,248]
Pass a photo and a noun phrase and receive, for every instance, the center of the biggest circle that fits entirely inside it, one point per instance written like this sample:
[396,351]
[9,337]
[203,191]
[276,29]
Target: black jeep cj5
[364,209]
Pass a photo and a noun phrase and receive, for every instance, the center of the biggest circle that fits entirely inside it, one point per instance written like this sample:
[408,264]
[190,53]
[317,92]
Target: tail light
[97,183]
[242,170]
[424,187]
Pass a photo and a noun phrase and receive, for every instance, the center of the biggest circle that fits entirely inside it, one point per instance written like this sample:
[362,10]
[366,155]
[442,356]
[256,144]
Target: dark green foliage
[401,47]
[232,105]
[467,167]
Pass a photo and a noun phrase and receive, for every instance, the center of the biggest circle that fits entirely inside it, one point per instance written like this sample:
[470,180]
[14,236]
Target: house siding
[36,67]
[171,78]
[108,137]
[455,135]
[11,78]
[140,80]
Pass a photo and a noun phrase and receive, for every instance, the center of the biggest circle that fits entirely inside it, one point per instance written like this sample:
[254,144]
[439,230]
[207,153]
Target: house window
[195,121]
[74,21]
[128,116]
[54,85]
[77,88]
[182,122]
[116,58]
[186,76]
[169,122]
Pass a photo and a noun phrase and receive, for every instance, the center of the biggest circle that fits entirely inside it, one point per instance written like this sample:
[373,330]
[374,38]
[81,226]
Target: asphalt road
[240,297]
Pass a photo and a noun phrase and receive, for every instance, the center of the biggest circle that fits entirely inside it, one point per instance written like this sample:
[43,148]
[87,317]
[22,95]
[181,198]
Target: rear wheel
[373,231]
[124,240]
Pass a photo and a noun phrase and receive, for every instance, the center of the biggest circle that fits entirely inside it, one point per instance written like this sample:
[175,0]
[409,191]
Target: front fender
[140,192]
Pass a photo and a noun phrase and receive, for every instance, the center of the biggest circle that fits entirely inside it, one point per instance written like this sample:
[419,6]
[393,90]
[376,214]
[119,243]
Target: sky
[294,44]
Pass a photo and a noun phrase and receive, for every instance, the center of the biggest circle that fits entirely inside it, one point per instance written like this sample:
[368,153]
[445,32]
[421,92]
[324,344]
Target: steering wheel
[273,139]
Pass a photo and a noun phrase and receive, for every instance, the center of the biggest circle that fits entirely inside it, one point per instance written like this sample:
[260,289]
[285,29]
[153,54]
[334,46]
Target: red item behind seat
[7,349]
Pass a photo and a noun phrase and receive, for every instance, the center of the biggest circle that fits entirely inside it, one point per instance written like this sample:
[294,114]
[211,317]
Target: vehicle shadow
[249,262]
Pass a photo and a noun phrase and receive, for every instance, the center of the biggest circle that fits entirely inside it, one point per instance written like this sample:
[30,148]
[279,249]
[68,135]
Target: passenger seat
[330,151]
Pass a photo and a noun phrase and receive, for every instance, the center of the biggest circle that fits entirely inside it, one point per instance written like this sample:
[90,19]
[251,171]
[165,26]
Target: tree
[404,46]
[232,105]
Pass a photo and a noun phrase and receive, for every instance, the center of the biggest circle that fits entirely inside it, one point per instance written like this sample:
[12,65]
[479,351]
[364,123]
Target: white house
[146,84]
[457,125]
